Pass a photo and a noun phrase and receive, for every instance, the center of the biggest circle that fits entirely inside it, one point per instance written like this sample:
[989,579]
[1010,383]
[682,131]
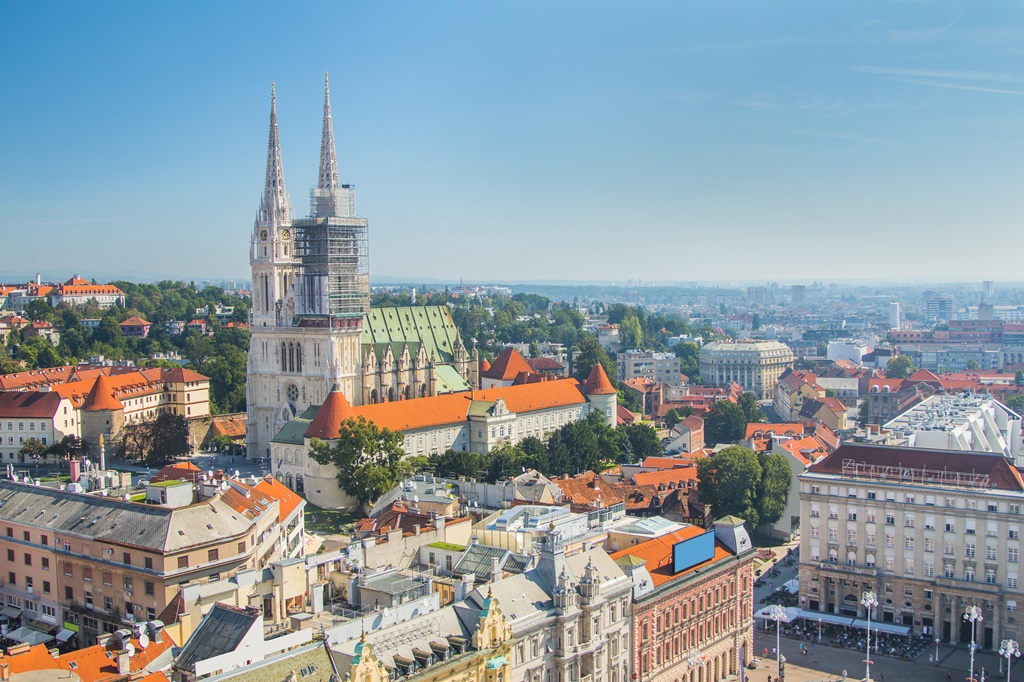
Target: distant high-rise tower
[894,315]
[988,289]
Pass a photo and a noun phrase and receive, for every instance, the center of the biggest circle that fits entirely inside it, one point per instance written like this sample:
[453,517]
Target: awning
[29,636]
[64,635]
[792,586]
[831,618]
[876,626]
[12,612]
[791,614]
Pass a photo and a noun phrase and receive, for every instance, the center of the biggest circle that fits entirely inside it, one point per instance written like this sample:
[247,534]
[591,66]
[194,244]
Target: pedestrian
[881,676]
[769,677]
[775,654]
[766,652]
[844,673]
[949,675]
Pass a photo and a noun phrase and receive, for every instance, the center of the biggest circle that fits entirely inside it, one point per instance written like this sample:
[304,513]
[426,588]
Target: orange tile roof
[29,659]
[95,663]
[232,427]
[666,462]
[136,322]
[484,366]
[507,365]
[451,408]
[683,476]
[334,410]
[780,429]
[597,383]
[101,397]
[658,554]
[805,450]
[179,471]
[287,501]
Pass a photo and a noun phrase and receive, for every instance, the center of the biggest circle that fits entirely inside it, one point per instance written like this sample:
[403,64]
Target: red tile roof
[101,397]
[29,404]
[287,500]
[334,410]
[682,476]
[507,365]
[484,366]
[666,462]
[136,322]
[94,663]
[597,383]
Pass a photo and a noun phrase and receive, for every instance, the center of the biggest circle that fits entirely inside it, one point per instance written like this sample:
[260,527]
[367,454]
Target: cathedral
[312,328]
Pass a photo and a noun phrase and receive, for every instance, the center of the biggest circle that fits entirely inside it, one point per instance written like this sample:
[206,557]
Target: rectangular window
[1011,555]
[929,569]
[68,571]
[908,542]
[108,578]
[45,563]
[128,585]
[908,566]
[929,544]
[890,564]
[183,562]
[241,547]
[909,520]
[1011,581]
[27,536]
[126,558]
[213,554]
[87,573]
[69,593]
[969,550]
[46,587]
[108,604]
[148,561]
[28,559]
[150,588]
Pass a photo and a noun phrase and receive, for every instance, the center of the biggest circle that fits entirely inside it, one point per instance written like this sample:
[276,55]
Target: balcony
[990,588]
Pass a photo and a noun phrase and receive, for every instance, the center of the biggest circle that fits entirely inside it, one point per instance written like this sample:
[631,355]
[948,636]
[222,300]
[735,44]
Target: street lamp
[819,629]
[778,613]
[937,640]
[869,601]
[973,614]
[1008,649]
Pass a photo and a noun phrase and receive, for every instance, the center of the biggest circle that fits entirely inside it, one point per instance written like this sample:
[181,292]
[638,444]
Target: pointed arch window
[298,357]
[284,357]
[291,357]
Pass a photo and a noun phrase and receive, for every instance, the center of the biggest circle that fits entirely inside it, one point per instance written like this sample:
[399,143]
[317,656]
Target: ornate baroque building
[311,324]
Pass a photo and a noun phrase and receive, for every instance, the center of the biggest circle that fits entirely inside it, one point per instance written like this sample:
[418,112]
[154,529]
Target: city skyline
[597,141]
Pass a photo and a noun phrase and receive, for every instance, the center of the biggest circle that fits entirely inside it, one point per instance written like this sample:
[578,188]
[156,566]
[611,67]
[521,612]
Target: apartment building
[930,531]
[665,368]
[754,365]
[43,416]
[93,564]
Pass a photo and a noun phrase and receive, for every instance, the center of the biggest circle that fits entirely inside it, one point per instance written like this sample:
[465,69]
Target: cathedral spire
[275,200]
[328,157]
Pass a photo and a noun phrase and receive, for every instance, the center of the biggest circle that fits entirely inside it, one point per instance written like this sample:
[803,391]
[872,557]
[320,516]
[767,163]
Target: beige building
[44,416]
[754,365]
[931,532]
[92,564]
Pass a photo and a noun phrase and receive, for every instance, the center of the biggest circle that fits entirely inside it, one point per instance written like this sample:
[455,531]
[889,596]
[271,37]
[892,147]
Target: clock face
[263,235]
[286,234]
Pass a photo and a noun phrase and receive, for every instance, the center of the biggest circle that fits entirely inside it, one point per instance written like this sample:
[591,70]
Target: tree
[773,489]
[631,333]
[973,364]
[109,332]
[32,450]
[455,463]
[689,358]
[628,456]
[198,349]
[1015,403]
[677,414]
[900,367]
[729,481]
[755,322]
[725,422]
[534,350]
[368,458]
[221,442]
[643,441]
[68,447]
[169,438]
[751,409]
[1019,377]
[591,353]
[830,393]
[504,462]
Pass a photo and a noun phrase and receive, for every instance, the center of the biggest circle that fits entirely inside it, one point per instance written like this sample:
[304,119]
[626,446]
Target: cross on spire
[328,158]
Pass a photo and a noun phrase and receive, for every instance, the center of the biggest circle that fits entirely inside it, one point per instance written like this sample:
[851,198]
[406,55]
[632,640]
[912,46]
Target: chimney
[104,639]
[156,630]
[416,529]
[123,662]
[5,672]
[495,570]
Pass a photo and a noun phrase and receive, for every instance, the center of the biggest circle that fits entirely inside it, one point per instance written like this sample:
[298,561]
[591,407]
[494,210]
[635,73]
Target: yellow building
[484,657]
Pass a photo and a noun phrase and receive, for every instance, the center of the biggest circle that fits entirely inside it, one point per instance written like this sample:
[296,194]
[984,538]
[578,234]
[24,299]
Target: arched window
[289,481]
[423,391]
[291,357]
[391,394]
[833,556]
[300,485]
[408,392]
[969,574]
[374,399]
[284,357]
[266,294]
[851,558]
[870,561]
[298,357]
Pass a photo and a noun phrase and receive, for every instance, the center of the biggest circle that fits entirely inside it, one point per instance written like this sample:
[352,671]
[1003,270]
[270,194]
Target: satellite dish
[237,473]
[143,640]
[130,648]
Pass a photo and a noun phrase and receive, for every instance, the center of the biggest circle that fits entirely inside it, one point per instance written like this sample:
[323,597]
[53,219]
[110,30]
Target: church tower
[310,283]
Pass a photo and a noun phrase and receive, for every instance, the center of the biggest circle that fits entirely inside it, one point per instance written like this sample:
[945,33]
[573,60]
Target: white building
[971,422]
[929,531]
[754,365]
[847,349]
[894,315]
[661,367]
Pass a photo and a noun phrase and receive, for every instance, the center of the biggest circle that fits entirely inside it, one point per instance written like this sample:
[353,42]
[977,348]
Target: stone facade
[754,365]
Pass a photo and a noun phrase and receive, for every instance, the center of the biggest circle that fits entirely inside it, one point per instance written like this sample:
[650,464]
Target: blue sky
[525,140]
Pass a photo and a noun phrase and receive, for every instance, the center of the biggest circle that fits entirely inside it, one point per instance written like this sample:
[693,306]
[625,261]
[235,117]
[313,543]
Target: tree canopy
[900,367]
[739,482]
[725,422]
[368,458]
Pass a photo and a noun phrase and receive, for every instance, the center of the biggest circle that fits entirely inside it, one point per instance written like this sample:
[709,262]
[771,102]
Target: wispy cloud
[985,76]
[957,86]
[833,107]
[836,135]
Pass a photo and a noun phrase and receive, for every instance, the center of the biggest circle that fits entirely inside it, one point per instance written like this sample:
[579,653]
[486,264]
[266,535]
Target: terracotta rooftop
[136,322]
[597,383]
[507,365]
[287,500]
[658,554]
[101,397]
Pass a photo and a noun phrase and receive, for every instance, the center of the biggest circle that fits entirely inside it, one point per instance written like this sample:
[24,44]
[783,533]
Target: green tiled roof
[448,380]
[479,408]
[294,431]
[432,326]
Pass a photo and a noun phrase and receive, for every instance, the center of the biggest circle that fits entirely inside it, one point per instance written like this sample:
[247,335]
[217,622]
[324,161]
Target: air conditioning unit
[127,593]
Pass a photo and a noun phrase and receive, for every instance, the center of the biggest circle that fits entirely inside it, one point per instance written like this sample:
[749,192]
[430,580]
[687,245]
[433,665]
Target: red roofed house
[695,598]
[135,327]
[473,421]
[504,370]
[828,411]
[79,291]
[793,388]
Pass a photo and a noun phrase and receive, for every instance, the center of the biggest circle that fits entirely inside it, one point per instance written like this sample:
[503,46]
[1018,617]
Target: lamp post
[819,629]
[1008,649]
[778,613]
[973,615]
[869,601]
[937,640]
